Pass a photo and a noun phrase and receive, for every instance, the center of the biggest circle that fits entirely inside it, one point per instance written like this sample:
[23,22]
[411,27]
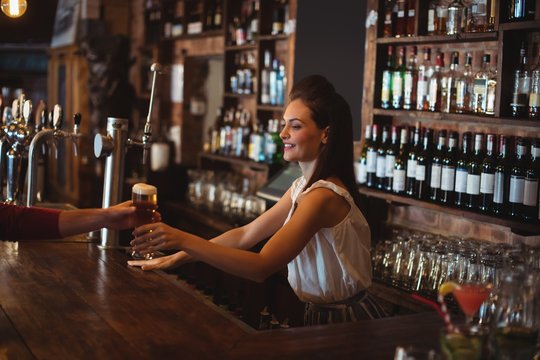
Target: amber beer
[144,198]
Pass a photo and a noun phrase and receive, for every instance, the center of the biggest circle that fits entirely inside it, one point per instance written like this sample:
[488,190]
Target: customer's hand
[164,262]
[154,237]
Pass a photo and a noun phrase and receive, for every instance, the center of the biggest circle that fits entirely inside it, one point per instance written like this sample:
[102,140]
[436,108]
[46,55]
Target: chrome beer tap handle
[147,132]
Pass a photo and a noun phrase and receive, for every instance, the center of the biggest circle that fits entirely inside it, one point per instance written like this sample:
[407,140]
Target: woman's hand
[164,262]
[154,237]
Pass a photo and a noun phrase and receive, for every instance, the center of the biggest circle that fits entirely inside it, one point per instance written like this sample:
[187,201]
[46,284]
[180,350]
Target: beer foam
[144,189]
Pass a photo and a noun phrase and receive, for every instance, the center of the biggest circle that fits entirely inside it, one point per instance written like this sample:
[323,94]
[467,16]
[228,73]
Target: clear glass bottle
[441,15]
[522,84]
[435,85]
[464,87]
[397,80]
[449,89]
[480,87]
[432,9]
[455,20]
[534,96]
[386,83]
[410,80]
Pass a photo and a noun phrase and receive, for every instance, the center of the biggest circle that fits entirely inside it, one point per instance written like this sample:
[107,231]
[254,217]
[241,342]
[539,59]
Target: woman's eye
[296,127]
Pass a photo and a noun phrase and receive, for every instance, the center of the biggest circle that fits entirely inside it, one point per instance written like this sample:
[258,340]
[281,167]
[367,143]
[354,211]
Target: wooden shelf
[273,37]
[234,95]
[279,108]
[203,34]
[513,224]
[463,37]
[462,118]
[241,47]
[520,25]
[237,161]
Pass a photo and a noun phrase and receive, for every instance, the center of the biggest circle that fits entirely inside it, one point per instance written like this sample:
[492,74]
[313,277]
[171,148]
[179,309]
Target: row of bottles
[273,81]
[483,175]
[243,79]
[526,88]
[447,17]
[236,134]
[433,87]
[244,26]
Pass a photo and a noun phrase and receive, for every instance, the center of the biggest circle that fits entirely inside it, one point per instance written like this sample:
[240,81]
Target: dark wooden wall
[330,41]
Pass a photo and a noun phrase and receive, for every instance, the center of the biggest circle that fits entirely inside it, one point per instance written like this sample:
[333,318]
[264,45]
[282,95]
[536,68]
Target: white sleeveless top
[336,263]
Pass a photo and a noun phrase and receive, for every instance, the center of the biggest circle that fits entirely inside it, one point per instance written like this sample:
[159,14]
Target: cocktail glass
[470,297]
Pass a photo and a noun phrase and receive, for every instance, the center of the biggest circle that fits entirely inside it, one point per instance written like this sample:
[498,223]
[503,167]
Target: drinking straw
[440,307]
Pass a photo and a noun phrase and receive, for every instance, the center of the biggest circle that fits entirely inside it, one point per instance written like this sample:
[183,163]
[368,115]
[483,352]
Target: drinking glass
[463,343]
[144,198]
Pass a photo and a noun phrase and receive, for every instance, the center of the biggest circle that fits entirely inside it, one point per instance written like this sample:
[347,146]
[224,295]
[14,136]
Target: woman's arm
[320,208]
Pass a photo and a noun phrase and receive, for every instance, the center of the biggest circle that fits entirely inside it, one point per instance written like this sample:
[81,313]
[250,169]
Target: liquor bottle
[474,171]
[281,85]
[432,8]
[218,123]
[530,188]
[460,189]
[380,173]
[455,20]
[218,16]
[410,81]
[411,17]
[253,22]
[501,180]
[392,151]
[448,88]
[519,10]
[412,161]
[265,78]
[520,93]
[517,179]
[477,16]
[491,92]
[386,88]
[400,166]
[277,158]
[425,70]
[436,167]
[397,80]
[177,27]
[371,157]
[256,142]
[534,96]
[389,20]
[487,177]
[362,167]
[274,73]
[435,83]
[401,20]
[448,173]
[464,87]
[423,166]
[278,18]
[480,87]
[441,15]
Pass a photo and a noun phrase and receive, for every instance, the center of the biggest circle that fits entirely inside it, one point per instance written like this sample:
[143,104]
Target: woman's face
[301,137]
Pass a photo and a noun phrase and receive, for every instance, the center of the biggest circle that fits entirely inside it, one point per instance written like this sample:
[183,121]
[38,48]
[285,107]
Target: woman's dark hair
[330,109]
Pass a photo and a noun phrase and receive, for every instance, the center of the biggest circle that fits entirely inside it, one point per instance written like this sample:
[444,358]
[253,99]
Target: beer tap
[113,147]
[7,117]
[53,134]
[18,133]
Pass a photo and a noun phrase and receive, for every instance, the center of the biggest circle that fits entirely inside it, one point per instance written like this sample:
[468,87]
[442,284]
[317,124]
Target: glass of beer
[144,198]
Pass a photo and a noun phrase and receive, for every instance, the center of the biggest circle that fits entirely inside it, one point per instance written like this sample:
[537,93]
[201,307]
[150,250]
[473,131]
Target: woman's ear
[326,131]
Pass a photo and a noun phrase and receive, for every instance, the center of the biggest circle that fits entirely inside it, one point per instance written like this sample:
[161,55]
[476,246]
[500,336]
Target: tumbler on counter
[144,198]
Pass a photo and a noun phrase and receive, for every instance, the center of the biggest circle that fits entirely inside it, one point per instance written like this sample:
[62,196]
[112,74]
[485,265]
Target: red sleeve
[18,222]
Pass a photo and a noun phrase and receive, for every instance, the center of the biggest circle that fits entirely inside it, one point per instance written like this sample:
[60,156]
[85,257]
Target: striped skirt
[361,306]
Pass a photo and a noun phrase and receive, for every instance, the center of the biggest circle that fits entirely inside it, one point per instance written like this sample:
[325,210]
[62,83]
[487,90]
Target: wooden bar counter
[72,300]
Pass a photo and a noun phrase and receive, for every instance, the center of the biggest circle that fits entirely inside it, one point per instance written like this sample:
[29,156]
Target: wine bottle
[448,88]
[386,87]
[412,160]
[425,70]
[423,166]
[448,173]
[389,20]
[474,170]
[435,86]
[530,191]
[517,179]
[391,152]
[397,80]
[522,80]
[362,167]
[371,166]
[436,167]
[410,81]
[487,177]
[501,180]
[380,172]
[400,166]
[460,189]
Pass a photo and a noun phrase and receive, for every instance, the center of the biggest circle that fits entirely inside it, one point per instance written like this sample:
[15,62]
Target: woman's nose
[284,134]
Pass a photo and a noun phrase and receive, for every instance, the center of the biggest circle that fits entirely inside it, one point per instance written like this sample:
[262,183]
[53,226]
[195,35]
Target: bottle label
[435,182]
[487,183]
[420,172]
[401,14]
[361,172]
[408,88]
[517,187]
[461,181]
[431,20]
[411,168]
[498,188]
[390,161]
[473,184]
[386,83]
[432,98]
[448,178]
[381,166]
[421,93]
[411,13]
[530,192]
[534,100]
[371,161]
[397,86]
[399,180]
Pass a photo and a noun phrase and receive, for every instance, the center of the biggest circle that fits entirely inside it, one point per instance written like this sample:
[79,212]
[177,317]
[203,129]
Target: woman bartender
[316,229]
